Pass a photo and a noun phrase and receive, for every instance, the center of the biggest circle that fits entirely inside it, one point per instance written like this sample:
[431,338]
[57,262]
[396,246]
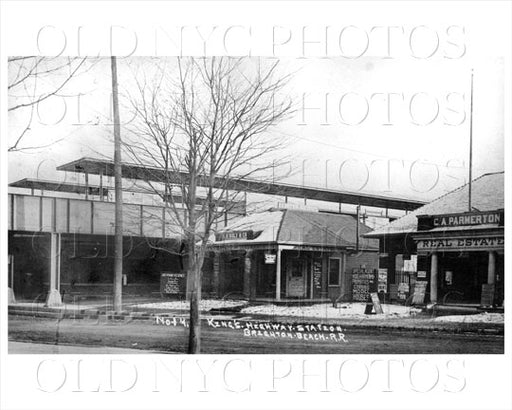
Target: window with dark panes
[334,271]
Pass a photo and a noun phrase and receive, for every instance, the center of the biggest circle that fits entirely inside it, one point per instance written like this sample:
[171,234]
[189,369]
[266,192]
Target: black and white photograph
[247,202]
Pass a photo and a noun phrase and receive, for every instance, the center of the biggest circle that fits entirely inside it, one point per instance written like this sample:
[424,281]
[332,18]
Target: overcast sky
[344,135]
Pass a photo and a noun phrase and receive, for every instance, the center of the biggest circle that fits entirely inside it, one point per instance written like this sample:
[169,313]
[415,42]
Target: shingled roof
[298,227]
[487,194]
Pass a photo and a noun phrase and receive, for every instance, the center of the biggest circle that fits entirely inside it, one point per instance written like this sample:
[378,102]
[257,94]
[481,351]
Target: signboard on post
[376,303]
[487,298]
[363,282]
[173,284]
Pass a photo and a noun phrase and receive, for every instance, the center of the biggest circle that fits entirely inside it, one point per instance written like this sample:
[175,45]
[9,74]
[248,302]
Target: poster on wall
[403,290]
[382,285]
[317,275]
[270,258]
[411,265]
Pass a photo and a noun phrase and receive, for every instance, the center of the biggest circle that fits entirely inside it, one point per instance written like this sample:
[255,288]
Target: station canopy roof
[76,188]
[487,194]
[135,171]
[298,228]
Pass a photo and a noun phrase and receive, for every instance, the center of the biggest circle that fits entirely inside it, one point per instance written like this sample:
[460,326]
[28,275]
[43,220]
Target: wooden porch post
[216,274]
[433,278]
[53,298]
[247,274]
[278,274]
[491,268]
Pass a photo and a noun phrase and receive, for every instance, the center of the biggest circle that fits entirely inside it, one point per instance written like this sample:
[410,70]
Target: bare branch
[31,72]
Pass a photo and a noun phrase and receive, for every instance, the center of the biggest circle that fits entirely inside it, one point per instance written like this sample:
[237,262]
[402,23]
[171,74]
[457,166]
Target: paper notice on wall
[403,289]
[411,265]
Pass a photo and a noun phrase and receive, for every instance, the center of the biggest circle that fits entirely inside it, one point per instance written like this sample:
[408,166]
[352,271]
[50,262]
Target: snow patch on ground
[479,318]
[205,304]
[327,311]
[322,311]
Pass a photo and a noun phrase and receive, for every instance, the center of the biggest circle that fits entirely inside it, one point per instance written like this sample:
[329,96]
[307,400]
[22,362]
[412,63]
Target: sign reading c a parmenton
[483,218]
[426,222]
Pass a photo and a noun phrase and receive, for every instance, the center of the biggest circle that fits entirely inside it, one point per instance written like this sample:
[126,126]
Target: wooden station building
[284,254]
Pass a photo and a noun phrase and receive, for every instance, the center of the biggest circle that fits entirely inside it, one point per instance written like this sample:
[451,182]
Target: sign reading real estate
[456,244]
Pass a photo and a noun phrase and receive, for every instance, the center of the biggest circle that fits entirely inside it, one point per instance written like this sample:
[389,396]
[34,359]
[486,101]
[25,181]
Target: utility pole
[470,145]
[118,241]
[358,208]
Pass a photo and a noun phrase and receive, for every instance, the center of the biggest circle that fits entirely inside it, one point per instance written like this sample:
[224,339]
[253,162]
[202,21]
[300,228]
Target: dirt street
[148,335]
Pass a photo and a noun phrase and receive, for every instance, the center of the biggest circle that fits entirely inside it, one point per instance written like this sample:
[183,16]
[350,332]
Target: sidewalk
[15,347]
[349,315]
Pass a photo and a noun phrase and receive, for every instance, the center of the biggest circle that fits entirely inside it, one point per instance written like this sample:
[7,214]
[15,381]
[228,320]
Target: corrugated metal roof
[487,194]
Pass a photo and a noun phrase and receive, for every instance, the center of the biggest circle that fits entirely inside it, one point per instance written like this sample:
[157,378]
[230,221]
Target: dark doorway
[30,264]
[461,276]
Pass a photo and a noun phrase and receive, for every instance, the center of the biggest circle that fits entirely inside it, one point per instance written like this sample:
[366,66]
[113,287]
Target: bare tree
[33,80]
[200,132]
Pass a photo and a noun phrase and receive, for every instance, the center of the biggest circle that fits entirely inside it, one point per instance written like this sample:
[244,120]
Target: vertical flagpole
[470,144]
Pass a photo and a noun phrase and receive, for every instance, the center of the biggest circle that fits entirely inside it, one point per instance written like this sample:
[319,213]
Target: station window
[334,271]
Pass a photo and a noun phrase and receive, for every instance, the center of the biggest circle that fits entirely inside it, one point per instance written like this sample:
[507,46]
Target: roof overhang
[54,186]
[385,234]
[90,189]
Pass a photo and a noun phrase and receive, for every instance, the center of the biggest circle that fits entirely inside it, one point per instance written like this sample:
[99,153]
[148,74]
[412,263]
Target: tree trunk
[194,336]
[194,270]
